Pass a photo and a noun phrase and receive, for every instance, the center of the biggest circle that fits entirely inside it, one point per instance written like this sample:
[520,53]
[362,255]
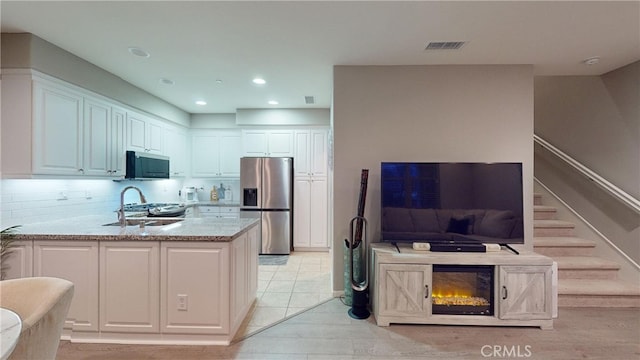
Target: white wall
[596,120]
[425,113]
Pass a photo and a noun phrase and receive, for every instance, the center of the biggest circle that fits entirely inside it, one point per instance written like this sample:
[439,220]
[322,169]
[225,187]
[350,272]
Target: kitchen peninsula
[191,281]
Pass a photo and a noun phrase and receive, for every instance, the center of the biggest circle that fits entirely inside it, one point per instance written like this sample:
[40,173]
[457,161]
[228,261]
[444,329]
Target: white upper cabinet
[310,153]
[57,130]
[176,140]
[215,153]
[103,139]
[144,133]
[273,143]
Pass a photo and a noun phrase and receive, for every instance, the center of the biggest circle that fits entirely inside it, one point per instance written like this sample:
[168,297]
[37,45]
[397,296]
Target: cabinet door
[195,288]
[154,137]
[230,154]
[302,212]
[318,153]
[254,142]
[136,132]
[97,137]
[404,290]
[57,131]
[117,142]
[144,133]
[280,143]
[253,249]
[176,148]
[19,264]
[525,292]
[205,155]
[76,261]
[318,204]
[239,278]
[301,163]
[129,286]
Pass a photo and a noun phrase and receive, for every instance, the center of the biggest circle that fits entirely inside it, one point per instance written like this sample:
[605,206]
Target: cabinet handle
[81,170]
[505,293]
[426,291]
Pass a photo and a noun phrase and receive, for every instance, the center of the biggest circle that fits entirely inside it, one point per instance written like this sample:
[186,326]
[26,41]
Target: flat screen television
[434,202]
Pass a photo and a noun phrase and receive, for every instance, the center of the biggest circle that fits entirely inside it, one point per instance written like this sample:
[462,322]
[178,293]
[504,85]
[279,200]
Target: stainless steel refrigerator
[266,185]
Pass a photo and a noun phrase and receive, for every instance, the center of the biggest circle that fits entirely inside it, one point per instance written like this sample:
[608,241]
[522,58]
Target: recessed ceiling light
[166,81]
[592,60]
[259,81]
[139,52]
[273,102]
[201,102]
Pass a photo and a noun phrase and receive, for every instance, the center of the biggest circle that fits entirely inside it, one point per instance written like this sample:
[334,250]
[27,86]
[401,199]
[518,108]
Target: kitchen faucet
[121,218]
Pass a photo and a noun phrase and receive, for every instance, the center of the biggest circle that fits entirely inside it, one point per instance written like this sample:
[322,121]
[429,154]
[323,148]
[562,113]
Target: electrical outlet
[87,194]
[182,302]
[62,195]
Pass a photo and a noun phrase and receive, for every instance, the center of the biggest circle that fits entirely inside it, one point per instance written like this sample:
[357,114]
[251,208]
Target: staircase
[584,280]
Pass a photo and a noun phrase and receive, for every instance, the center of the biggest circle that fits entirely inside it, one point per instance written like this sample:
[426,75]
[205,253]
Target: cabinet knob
[81,170]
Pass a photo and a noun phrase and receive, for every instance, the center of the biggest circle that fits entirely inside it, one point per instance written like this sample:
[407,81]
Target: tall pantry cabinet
[310,208]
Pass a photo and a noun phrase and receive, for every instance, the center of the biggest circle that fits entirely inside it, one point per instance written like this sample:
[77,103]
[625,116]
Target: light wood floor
[327,332]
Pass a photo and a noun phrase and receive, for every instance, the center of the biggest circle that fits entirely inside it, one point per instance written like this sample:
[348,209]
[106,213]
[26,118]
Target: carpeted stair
[584,280]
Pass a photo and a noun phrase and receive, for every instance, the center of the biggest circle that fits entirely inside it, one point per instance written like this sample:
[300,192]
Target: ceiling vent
[309,100]
[444,45]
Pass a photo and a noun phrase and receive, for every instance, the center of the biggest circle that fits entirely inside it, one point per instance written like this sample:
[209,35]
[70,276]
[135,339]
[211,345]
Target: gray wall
[23,51]
[425,113]
[596,120]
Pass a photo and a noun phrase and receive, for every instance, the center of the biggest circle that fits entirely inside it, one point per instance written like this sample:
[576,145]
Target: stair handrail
[615,191]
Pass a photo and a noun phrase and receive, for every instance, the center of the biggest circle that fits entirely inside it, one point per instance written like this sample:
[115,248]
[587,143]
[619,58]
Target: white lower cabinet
[129,286]
[195,288]
[218,212]
[76,261]
[173,292]
[19,263]
[310,217]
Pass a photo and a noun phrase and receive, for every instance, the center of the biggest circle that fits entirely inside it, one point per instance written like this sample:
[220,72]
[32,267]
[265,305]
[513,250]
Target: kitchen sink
[146,222]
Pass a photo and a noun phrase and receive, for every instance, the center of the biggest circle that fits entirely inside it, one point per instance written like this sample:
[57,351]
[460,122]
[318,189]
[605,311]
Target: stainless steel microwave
[142,165]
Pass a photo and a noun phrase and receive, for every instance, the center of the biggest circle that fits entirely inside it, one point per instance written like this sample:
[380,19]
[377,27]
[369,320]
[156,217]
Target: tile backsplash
[35,200]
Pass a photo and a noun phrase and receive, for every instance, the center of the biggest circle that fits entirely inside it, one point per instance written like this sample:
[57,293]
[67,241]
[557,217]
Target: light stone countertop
[90,227]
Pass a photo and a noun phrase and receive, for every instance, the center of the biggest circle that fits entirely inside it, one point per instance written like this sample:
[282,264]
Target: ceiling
[212,50]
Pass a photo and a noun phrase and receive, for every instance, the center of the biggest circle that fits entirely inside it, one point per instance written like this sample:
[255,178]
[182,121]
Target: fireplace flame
[456,298]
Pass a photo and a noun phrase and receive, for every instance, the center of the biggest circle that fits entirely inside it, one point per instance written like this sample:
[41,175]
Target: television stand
[518,290]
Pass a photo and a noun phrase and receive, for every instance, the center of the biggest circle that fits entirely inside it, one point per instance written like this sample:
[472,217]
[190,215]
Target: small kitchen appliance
[189,194]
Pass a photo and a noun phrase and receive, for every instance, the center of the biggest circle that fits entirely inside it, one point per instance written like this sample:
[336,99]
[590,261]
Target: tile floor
[284,290]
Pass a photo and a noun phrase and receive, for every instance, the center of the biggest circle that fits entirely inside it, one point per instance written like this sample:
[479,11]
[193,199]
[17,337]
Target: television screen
[452,201]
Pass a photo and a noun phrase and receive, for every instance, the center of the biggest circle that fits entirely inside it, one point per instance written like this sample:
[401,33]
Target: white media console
[523,288]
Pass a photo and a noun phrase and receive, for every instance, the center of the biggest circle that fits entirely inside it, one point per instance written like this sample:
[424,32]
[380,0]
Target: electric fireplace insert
[462,290]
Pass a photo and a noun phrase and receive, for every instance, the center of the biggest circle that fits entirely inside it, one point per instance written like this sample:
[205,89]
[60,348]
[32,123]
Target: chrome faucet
[121,218]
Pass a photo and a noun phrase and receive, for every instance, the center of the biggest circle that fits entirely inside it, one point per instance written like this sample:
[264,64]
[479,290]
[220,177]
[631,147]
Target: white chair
[42,303]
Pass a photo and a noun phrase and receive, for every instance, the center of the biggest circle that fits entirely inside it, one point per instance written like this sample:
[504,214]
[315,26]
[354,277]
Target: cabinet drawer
[229,210]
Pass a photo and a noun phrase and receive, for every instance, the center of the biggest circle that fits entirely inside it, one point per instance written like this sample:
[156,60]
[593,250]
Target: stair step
[543,212]
[586,267]
[597,293]
[563,246]
[537,199]
[553,228]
